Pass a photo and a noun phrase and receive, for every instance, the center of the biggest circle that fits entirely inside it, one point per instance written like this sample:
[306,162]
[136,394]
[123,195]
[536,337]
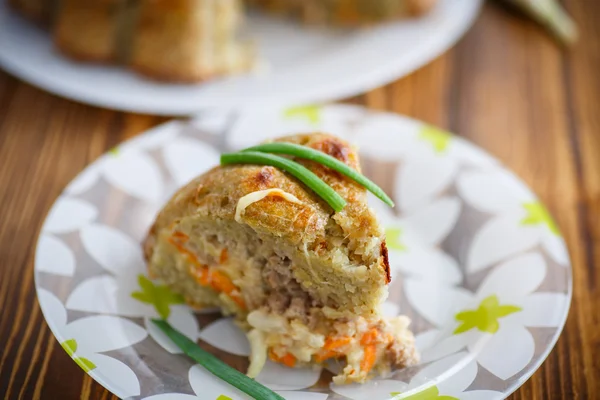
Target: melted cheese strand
[298,171]
[253,197]
[258,352]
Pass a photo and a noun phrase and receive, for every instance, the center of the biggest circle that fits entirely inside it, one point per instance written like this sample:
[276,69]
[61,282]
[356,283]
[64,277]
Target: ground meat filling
[285,295]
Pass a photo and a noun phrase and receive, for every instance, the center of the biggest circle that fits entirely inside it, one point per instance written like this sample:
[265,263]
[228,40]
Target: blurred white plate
[306,66]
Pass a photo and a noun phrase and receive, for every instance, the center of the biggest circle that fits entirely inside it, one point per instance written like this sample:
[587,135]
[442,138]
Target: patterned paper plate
[478,263]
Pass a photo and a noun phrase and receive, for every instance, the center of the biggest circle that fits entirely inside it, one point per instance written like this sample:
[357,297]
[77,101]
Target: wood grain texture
[506,86]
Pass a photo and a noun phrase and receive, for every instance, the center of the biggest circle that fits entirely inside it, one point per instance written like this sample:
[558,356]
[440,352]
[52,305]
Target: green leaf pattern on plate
[439,139]
[485,318]
[312,113]
[431,393]
[70,346]
[85,364]
[537,214]
[393,239]
[160,296]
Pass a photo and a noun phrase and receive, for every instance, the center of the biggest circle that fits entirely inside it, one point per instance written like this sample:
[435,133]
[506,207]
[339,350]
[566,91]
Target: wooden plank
[582,80]
[40,155]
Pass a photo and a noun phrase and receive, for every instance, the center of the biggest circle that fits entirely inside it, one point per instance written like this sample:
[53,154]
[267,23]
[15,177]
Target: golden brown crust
[188,41]
[168,40]
[149,243]
[217,192]
[87,30]
[293,272]
[76,54]
[337,149]
[386,262]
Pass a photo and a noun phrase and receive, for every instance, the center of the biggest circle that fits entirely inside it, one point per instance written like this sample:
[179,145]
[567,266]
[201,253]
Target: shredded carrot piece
[173,224]
[325,355]
[184,251]
[224,256]
[177,245]
[288,360]
[370,353]
[273,356]
[238,300]
[336,343]
[197,270]
[200,274]
[206,276]
[331,348]
[370,337]
[181,235]
[221,282]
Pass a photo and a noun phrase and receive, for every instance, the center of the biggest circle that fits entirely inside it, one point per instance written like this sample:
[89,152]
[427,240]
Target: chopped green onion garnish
[311,180]
[325,159]
[216,366]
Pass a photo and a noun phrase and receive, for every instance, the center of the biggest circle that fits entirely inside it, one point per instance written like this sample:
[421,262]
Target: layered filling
[365,346]
[299,303]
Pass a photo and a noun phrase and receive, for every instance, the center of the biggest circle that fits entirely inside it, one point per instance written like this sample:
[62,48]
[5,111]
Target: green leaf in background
[160,296]
[552,16]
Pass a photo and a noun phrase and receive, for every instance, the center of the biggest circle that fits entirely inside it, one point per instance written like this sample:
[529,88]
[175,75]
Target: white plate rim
[324,92]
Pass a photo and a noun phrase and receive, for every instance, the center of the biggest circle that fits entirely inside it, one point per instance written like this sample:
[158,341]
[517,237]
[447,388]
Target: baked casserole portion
[304,282]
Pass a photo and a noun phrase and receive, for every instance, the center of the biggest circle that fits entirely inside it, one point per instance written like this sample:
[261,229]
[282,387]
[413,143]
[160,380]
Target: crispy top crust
[312,223]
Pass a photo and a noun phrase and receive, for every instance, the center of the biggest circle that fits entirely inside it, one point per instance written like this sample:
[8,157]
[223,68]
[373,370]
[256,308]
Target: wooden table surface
[506,86]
